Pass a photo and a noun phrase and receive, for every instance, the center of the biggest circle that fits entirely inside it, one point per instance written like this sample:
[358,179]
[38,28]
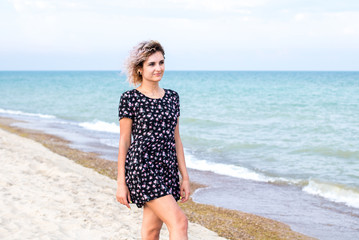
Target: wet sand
[69,194]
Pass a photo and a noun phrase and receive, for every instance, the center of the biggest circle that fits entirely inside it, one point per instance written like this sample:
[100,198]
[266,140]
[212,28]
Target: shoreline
[230,224]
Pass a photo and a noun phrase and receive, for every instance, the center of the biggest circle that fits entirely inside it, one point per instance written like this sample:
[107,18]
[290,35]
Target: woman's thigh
[150,220]
[167,209]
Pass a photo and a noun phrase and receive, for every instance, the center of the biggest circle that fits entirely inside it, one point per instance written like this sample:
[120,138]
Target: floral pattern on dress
[151,167]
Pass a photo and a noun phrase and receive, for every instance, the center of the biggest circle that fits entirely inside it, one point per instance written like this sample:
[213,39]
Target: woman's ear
[139,71]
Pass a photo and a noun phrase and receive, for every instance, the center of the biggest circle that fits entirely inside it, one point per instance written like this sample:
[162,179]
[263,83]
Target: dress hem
[163,195]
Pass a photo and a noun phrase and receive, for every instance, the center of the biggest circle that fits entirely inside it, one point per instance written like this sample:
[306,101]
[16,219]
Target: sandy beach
[52,191]
[47,196]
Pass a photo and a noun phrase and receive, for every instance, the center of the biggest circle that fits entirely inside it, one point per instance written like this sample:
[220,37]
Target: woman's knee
[151,224]
[171,214]
[150,232]
[185,221]
[181,221]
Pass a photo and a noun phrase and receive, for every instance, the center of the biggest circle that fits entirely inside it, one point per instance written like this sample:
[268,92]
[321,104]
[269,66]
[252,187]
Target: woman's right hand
[123,195]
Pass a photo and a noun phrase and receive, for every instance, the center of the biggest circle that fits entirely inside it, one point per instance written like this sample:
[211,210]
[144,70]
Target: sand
[230,224]
[47,196]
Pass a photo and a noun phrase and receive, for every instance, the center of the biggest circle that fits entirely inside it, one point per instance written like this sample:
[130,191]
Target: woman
[148,166]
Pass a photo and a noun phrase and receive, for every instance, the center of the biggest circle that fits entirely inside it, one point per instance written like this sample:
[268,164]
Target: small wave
[334,192]
[14,112]
[239,172]
[101,126]
[224,169]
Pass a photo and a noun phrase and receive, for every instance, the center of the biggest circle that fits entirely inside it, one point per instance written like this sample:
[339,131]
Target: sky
[196,34]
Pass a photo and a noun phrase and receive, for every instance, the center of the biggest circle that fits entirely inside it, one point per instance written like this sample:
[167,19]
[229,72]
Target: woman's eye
[151,64]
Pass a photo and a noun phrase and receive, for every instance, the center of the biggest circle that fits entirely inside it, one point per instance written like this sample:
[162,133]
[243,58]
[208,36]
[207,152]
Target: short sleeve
[125,108]
[178,105]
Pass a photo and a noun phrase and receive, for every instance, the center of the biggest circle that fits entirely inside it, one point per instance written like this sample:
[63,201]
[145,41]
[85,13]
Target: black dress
[151,167]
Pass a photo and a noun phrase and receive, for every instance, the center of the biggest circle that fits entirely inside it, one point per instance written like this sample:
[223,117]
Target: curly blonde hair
[137,56]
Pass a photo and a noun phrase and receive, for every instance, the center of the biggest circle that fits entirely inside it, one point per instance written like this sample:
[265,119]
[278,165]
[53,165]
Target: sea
[283,145]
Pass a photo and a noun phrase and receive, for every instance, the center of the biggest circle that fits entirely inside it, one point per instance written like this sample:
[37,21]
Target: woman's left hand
[185,190]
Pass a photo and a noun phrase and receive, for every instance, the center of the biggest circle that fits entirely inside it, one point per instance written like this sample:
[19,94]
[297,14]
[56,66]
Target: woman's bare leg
[151,225]
[166,209]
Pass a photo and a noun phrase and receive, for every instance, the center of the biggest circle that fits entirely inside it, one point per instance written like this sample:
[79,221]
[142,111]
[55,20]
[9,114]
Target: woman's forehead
[157,56]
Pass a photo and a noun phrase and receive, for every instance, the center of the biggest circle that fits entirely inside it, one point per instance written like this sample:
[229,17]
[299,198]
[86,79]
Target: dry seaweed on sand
[230,224]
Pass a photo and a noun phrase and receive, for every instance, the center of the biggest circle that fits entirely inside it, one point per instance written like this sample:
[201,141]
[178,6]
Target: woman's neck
[150,87]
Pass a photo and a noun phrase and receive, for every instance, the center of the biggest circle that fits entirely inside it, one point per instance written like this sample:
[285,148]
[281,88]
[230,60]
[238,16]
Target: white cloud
[199,27]
[42,5]
[223,6]
[300,17]
[240,6]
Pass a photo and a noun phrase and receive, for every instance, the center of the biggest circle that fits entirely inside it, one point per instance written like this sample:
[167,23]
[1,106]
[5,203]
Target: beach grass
[230,224]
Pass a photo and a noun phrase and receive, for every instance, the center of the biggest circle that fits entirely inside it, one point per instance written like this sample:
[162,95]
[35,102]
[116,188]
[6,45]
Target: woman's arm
[123,195]
[185,187]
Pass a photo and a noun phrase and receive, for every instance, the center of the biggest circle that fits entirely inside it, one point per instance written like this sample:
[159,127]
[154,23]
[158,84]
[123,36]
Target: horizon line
[79,70]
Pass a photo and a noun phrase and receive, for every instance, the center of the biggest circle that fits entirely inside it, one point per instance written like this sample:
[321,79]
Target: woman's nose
[158,67]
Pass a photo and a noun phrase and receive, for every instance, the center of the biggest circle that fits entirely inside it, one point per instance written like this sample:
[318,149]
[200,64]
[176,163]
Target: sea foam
[101,126]
[333,192]
[224,169]
[15,112]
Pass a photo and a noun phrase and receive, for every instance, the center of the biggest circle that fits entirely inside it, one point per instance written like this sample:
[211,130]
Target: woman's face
[153,68]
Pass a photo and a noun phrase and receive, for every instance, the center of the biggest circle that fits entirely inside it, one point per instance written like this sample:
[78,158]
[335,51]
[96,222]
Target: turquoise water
[288,128]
